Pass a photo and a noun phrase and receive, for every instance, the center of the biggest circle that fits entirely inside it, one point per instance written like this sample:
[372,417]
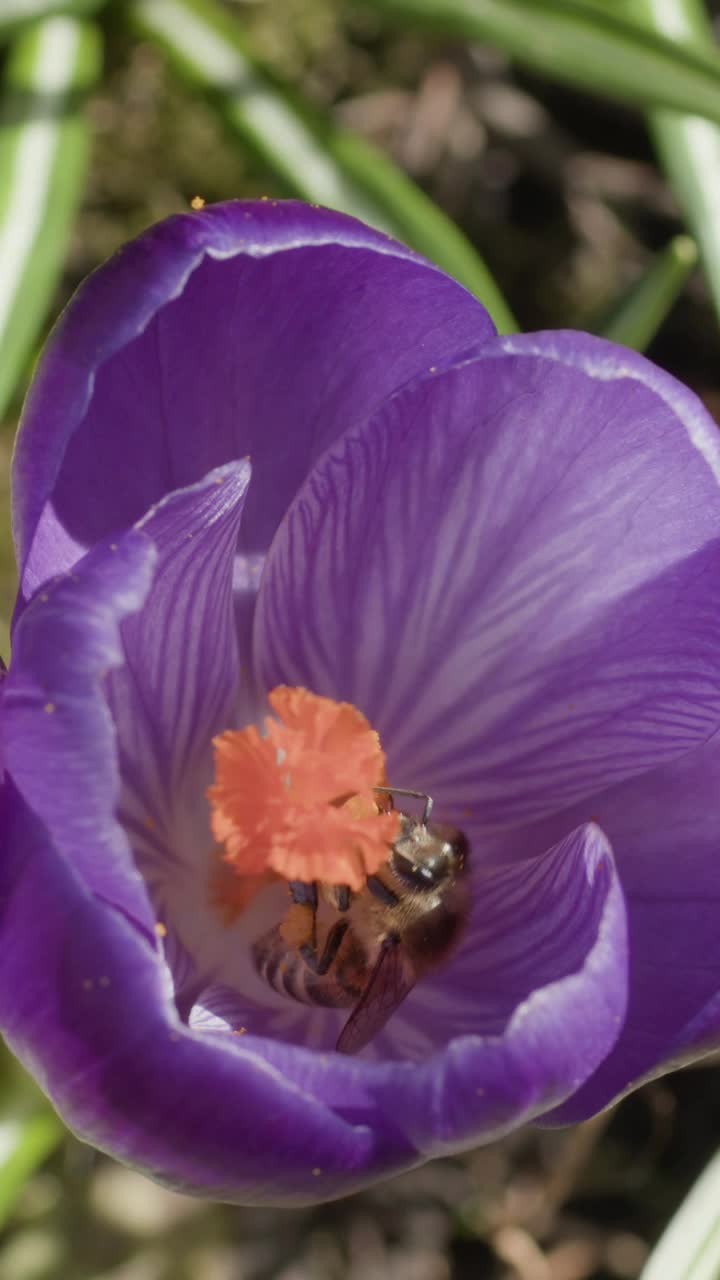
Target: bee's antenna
[417,795]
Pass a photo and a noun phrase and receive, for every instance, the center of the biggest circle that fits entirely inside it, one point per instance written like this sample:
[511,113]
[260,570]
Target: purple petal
[514,571]
[178,685]
[532,924]
[58,739]
[82,1004]
[664,826]
[264,329]
[546,957]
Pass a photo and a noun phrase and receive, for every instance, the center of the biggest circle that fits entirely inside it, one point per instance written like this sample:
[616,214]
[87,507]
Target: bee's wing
[391,980]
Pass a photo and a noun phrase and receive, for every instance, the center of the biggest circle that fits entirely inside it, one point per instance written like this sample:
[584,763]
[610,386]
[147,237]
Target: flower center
[300,800]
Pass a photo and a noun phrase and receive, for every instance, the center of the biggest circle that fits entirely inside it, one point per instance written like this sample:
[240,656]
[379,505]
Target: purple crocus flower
[266,445]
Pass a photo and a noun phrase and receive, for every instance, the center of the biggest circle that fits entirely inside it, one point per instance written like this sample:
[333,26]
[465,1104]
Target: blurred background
[551,156]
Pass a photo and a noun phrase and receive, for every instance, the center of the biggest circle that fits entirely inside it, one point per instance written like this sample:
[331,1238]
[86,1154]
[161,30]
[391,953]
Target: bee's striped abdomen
[284,969]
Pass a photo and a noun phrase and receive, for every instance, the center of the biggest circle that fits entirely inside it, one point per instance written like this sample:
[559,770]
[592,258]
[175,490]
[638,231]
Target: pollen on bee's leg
[299,800]
[298,925]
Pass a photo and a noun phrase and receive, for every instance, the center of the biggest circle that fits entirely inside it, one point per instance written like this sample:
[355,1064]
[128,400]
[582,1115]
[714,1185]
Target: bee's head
[427,857]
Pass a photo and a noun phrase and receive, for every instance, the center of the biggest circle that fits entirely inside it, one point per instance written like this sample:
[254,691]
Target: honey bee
[380,941]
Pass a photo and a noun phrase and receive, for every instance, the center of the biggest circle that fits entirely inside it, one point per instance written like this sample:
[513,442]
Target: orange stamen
[300,800]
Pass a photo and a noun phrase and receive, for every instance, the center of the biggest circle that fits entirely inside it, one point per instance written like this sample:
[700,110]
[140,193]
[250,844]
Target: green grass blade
[24,1144]
[43,160]
[689,1248]
[313,158]
[15,13]
[591,45]
[635,320]
[688,146]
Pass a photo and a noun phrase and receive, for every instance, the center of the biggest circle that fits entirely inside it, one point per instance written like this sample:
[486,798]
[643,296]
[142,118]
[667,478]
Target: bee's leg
[341,895]
[390,792]
[304,892]
[380,890]
[321,964]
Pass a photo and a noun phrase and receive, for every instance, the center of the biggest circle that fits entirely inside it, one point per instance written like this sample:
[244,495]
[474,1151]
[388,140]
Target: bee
[379,942]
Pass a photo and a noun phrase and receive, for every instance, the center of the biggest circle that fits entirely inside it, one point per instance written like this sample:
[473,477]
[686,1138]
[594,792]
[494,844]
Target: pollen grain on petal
[299,801]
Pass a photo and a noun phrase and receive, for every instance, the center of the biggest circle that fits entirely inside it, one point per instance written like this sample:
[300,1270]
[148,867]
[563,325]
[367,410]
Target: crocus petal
[177,687]
[261,329]
[83,1005]
[84,995]
[58,739]
[665,828]
[179,681]
[540,1049]
[532,924]
[514,571]
[526,1048]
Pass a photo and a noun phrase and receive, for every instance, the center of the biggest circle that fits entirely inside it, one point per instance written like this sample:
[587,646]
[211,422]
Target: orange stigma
[300,801]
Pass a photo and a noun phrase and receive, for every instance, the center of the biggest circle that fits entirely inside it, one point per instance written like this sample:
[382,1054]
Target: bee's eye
[460,846]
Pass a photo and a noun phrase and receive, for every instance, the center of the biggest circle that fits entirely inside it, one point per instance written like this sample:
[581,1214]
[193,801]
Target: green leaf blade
[689,146]
[25,1143]
[581,42]
[44,148]
[638,316]
[15,14]
[689,1248]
